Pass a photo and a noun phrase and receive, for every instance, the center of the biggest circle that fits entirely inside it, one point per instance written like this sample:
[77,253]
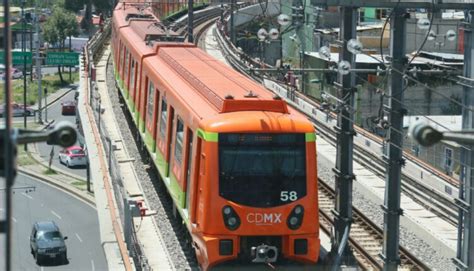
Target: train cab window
[150,101]
[163,117]
[178,146]
[262,170]
[132,76]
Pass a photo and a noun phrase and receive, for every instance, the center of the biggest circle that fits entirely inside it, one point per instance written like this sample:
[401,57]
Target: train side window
[178,146]
[137,76]
[155,111]
[189,164]
[164,117]
[127,62]
[132,77]
[124,52]
[120,58]
[150,101]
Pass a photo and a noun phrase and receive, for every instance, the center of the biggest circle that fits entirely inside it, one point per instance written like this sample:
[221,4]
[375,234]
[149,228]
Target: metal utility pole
[345,133]
[8,144]
[190,21]
[232,28]
[298,21]
[465,258]
[38,64]
[393,158]
[222,11]
[23,49]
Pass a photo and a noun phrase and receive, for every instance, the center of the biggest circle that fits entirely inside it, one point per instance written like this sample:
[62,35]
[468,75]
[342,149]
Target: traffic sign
[62,58]
[17,58]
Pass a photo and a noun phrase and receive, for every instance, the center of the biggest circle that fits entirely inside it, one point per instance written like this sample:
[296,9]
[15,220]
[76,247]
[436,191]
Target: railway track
[366,238]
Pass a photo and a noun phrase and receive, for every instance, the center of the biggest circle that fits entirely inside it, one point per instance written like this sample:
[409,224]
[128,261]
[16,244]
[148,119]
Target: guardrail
[93,50]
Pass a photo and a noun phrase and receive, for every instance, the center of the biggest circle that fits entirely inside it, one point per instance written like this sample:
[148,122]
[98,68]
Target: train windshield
[262,170]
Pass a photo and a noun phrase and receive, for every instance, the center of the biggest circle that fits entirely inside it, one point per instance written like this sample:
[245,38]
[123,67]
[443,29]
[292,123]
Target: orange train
[239,164]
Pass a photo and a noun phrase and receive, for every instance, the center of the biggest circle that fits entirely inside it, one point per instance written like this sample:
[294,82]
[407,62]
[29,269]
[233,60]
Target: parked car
[18,110]
[68,108]
[16,74]
[73,156]
[47,242]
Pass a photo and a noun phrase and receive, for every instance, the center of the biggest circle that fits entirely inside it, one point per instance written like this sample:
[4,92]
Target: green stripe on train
[141,123]
[179,196]
[175,190]
[310,137]
[149,141]
[208,136]
[161,164]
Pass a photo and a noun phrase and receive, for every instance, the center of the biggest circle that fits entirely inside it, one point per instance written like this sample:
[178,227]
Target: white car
[73,156]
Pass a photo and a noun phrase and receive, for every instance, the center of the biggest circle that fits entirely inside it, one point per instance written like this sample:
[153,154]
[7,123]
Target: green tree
[74,5]
[59,26]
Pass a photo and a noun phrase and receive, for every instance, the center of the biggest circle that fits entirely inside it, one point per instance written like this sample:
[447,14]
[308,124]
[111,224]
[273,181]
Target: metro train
[238,162]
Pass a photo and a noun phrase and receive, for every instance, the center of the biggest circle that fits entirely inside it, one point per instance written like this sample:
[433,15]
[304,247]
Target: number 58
[288,195]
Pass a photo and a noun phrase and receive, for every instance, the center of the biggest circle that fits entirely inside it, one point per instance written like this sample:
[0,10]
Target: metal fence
[94,47]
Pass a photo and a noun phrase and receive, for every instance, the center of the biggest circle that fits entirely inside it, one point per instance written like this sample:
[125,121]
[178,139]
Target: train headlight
[227,210]
[298,210]
[231,219]
[295,219]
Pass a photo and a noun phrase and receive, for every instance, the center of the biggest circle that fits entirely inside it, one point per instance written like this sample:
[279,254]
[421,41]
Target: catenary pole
[190,21]
[345,133]
[465,257]
[8,144]
[393,158]
[232,18]
[23,49]
[38,65]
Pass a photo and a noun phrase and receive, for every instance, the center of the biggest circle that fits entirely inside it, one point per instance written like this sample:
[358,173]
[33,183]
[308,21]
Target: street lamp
[266,36]
[23,49]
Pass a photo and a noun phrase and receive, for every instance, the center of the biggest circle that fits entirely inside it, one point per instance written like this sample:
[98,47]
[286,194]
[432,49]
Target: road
[54,113]
[75,218]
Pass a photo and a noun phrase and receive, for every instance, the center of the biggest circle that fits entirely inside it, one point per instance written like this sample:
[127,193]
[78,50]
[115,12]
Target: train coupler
[264,254]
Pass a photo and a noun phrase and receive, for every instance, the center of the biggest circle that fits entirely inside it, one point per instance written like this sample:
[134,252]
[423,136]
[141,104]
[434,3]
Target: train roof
[124,12]
[211,88]
[225,89]
[146,26]
[203,84]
